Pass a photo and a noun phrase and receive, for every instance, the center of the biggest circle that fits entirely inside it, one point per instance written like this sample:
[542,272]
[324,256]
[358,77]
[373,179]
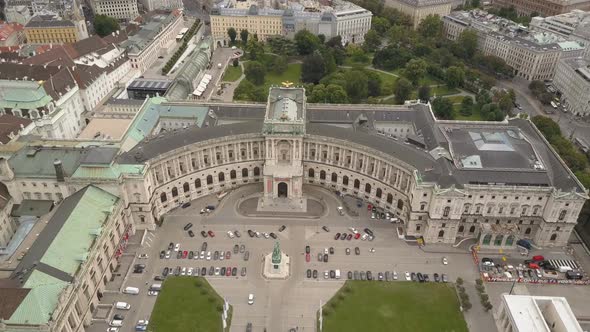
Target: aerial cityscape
[294,165]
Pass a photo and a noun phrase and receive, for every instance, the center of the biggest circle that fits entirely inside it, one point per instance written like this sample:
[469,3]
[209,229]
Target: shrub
[478,282]
[459,281]
[341,296]
[480,288]
[333,304]
[484,297]
[461,289]
[467,305]
[326,311]
[204,292]
[219,308]
[211,299]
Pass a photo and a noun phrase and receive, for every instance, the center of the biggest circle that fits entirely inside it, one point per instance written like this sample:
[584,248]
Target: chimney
[59,170]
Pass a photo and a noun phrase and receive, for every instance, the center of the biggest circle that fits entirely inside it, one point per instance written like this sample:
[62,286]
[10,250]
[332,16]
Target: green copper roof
[25,98]
[108,172]
[41,301]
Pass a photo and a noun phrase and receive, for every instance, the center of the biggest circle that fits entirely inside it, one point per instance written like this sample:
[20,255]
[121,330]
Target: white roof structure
[540,314]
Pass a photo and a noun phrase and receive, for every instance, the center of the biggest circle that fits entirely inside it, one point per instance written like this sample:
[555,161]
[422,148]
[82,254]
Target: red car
[228,272]
[357,236]
[228,255]
[307,257]
[337,236]
[369,207]
[211,234]
[184,254]
[538,258]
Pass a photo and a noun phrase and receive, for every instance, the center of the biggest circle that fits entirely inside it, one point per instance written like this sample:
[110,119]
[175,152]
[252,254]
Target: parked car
[349,275]
[357,251]
[188,226]
[363,275]
[228,255]
[167,254]
[307,249]
[222,272]
[246,255]
[337,236]
[243,272]
[203,234]
[331,250]
[420,277]
[216,255]
[191,233]
[426,277]
[315,274]
[236,249]
[282,228]
[230,234]
[179,255]
[191,255]
[165,271]
[273,235]
[343,236]
[487,261]
[407,274]
[204,271]
[320,257]
[349,237]
[228,272]
[445,261]
[251,233]
[444,278]
[308,273]
[380,276]
[211,270]
[325,228]
[436,277]
[368,231]
[369,275]
[185,254]
[307,258]
[347,251]
[162,254]
[211,234]
[234,271]
[170,246]
[242,248]
[325,258]
[414,277]
[332,274]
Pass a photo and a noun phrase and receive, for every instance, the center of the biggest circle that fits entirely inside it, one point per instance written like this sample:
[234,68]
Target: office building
[41,31]
[572,79]
[124,10]
[543,7]
[419,9]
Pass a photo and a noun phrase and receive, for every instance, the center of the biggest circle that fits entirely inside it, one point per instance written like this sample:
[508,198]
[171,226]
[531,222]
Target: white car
[116,323]
[445,261]
[217,269]
[353,230]
[372,215]
[208,255]
[266,235]
[230,234]
[221,255]
[394,275]
[177,247]
[183,272]
[326,251]
[168,254]
[142,256]
[365,237]
[113,329]
[408,278]
[250,298]
[202,256]
[257,234]
[326,274]
[190,271]
[143,322]
[153,293]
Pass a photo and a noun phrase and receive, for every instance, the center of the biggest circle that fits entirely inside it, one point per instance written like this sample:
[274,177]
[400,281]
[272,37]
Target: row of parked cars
[204,254]
[355,234]
[536,268]
[189,271]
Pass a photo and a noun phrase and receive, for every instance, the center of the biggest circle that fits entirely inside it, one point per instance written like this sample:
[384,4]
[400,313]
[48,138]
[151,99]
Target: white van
[122,305]
[131,290]
[156,287]
[337,274]
[564,269]
[116,323]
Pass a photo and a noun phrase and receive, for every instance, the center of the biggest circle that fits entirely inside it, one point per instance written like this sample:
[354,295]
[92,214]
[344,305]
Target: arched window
[562,214]
[509,240]
[221,177]
[209,179]
[472,229]
[441,234]
[186,187]
[244,172]
[357,184]
[553,237]
[322,175]
[311,173]
[466,208]
[368,188]
[379,193]
[232,174]
[461,229]
[400,204]
[174,192]
[498,240]
[198,183]
[256,171]
[528,231]
[334,177]
[487,239]
[345,180]
[163,197]
[446,211]
[389,198]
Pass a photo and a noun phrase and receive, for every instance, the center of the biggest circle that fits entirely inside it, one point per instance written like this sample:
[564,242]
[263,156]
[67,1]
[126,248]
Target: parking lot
[279,304]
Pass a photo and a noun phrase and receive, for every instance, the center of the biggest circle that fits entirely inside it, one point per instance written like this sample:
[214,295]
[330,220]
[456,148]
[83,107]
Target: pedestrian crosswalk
[556,263]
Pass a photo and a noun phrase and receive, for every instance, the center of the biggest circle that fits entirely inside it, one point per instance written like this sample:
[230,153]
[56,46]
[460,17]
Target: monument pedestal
[282,204]
[276,271]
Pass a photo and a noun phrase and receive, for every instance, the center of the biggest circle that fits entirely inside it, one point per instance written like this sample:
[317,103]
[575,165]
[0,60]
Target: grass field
[292,74]
[394,306]
[232,73]
[187,304]
[475,115]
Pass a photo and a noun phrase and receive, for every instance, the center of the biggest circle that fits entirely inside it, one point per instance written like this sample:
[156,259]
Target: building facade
[124,10]
[150,5]
[543,7]
[574,25]
[48,32]
[419,9]
[17,13]
[572,79]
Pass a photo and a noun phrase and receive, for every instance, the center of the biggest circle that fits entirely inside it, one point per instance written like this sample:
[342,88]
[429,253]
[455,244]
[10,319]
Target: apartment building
[543,7]
[533,55]
[40,31]
[574,25]
[7,224]
[572,79]
[419,9]
[124,10]
[151,5]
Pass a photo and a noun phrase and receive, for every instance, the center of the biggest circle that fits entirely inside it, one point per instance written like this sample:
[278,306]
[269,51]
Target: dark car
[368,231]
[369,275]
[234,271]
[216,255]
[171,246]
[282,228]
[118,317]
[331,250]
[188,226]
[349,237]
[211,270]
[307,249]
[251,233]
[325,258]
[177,271]
[165,271]
[350,275]
[204,246]
[222,273]
[249,327]
[211,207]
[308,273]
[426,277]
[357,251]
[236,249]
[191,255]
[382,215]
[337,236]
[356,275]
[246,255]
[436,277]
[413,276]
[185,205]
[325,228]
[343,236]
[191,233]
[162,254]
[203,233]
[204,271]
[315,274]
[332,274]
[420,277]
[159,278]
[211,234]
[373,209]
[273,235]
[179,254]
[237,233]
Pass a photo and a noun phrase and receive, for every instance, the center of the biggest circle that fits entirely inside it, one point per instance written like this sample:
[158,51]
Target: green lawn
[455,99]
[443,90]
[292,74]
[187,304]
[475,115]
[232,73]
[394,306]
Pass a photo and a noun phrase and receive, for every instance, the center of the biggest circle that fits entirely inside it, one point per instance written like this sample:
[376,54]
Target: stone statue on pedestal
[276,254]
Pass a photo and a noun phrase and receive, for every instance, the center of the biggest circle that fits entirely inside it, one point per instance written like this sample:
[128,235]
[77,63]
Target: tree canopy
[105,25]
[255,72]
[313,68]
[232,34]
[306,42]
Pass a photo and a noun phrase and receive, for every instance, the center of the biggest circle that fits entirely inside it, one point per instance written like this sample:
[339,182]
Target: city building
[153,38]
[150,5]
[17,13]
[41,31]
[10,127]
[445,181]
[524,313]
[58,283]
[11,34]
[574,25]
[543,7]
[124,10]
[533,55]
[572,79]
[341,18]
[419,9]
[7,224]
[141,88]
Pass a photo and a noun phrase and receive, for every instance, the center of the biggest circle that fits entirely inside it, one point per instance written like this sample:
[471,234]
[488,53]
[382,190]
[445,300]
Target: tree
[391,57]
[537,88]
[402,90]
[467,106]
[431,27]
[306,42]
[334,42]
[254,49]
[374,83]
[255,72]
[232,33]
[356,85]
[372,41]
[380,24]
[356,53]
[235,62]
[547,126]
[313,68]
[443,108]
[454,77]
[279,64]
[105,25]
[415,70]
[336,94]
[424,93]
[244,36]
[467,42]
[329,61]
